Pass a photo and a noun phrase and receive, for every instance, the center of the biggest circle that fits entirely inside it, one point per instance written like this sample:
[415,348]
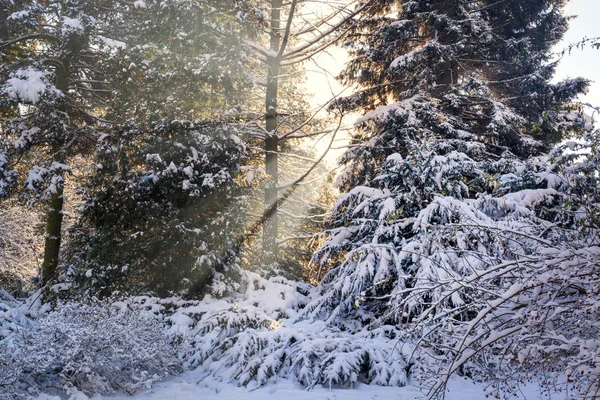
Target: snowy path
[186,387]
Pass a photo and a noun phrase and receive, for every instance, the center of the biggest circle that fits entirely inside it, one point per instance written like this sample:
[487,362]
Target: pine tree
[486,69]
[49,94]
[163,211]
[446,185]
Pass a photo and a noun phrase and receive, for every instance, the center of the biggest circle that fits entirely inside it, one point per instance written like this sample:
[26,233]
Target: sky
[582,62]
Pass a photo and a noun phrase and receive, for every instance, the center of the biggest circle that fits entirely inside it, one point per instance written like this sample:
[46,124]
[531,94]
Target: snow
[369,192]
[404,59]
[26,84]
[140,4]
[193,385]
[529,198]
[388,207]
[112,43]
[399,23]
[18,15]
[379,114]
[397,158]
[73,23]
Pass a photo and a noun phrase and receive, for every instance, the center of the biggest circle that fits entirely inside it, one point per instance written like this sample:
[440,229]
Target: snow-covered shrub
[14,318]
[256,337]
[20,244]
[535,315]
[96,348]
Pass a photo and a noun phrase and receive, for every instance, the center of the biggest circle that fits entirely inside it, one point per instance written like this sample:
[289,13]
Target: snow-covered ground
[218,376]
[193,386]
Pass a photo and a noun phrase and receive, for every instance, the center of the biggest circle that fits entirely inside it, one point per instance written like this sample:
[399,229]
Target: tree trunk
[270,248]
[54,217]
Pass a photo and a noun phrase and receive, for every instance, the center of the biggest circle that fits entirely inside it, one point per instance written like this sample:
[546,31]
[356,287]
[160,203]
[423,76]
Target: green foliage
[163,211]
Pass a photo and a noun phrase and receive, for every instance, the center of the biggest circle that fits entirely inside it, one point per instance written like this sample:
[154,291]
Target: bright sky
[582,62]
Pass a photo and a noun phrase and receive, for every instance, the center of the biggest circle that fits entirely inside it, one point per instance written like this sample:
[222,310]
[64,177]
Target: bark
[54,220]
[271,220]
[54,217]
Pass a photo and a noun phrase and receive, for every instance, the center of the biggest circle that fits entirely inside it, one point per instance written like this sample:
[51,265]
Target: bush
[97,348]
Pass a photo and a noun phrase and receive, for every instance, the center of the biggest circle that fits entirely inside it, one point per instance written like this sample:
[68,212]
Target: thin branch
[300,51]
[288,27]
[29,37]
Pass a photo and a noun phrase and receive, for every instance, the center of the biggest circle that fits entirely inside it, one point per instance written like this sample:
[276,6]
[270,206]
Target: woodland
[171,200]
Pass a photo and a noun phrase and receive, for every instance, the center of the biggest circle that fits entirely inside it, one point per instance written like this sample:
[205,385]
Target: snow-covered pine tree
[50,92]
[449,208]
[482,67]
[162,210]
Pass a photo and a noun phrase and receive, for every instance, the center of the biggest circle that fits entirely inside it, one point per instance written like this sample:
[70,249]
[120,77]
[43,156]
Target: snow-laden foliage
[504,285]
[72,71]
[37,114]
[252,337]
[444,68]
[8,176]
[91,347]
[536,313]
[51,94]
[451,210]
[163,211]
[255,337]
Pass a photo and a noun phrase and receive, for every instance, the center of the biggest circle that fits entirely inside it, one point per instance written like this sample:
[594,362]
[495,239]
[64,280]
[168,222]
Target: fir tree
[163,213]
[163,195]
[49,94]
[486,71]
[446,182]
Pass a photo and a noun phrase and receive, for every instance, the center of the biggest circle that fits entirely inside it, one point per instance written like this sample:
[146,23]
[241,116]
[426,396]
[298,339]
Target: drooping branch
[29,37]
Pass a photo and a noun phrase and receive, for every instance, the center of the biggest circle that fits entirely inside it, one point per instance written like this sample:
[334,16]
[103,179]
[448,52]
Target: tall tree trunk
[54,217]
[270,248]
[54,220]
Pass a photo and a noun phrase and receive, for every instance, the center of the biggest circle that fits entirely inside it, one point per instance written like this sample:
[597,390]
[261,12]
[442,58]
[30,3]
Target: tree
[498,55]
[49,93]
[168,58]
[164,209]
[310,38]
[163,212]
[445,180]
[75,72]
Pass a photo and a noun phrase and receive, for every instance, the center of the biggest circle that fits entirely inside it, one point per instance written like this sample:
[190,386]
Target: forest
[180,219]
